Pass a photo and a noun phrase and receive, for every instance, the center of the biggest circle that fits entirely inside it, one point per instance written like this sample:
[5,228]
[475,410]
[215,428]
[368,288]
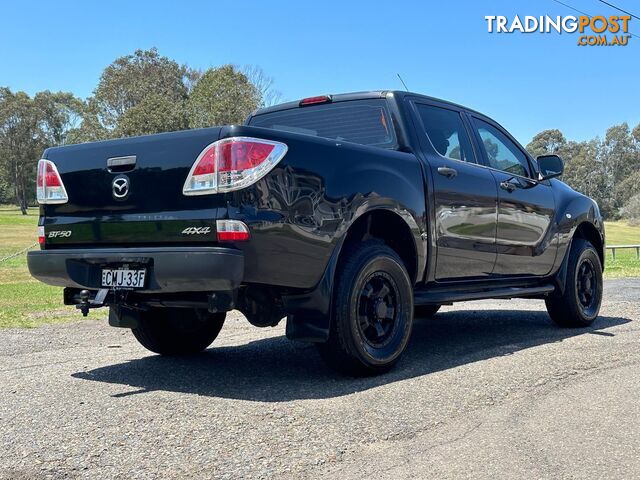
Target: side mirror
[550,166]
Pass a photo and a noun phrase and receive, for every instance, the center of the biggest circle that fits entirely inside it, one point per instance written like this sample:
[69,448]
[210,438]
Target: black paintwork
[175,269]
[300,213]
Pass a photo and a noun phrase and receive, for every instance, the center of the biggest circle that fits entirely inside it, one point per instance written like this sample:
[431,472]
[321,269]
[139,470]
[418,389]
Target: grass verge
[25,302]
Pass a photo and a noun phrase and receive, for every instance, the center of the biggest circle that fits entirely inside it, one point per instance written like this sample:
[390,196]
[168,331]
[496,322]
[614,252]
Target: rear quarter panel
[299,212]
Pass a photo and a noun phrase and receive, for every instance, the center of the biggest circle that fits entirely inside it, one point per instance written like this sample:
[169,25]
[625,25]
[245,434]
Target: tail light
[50,188]
[41,237]
[231,164]
[232,231]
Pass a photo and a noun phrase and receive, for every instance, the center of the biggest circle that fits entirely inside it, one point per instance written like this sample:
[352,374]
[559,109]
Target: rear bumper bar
[169,269]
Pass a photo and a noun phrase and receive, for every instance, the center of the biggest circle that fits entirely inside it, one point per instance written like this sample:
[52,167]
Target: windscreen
[366,122]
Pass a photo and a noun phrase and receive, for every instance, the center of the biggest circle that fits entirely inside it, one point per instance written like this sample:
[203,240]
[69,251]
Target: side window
[502,153]
[446,132]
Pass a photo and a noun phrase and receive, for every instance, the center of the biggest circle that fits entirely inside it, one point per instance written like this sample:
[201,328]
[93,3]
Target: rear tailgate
[151,208]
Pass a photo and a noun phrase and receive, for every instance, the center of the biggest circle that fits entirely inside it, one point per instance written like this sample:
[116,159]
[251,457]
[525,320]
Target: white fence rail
[613,249]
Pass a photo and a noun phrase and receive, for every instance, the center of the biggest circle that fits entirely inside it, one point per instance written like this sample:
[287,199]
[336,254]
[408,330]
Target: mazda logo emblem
[120,187]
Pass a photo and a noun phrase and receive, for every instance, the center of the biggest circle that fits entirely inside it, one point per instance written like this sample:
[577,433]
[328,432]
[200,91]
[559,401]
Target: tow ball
[85,302]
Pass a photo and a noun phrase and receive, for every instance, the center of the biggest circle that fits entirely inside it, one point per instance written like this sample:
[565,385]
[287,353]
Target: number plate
[122,278]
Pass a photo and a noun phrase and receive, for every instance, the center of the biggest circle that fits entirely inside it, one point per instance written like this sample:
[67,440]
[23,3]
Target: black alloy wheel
[372,311]
[579,303]
[377,309]
[587,287]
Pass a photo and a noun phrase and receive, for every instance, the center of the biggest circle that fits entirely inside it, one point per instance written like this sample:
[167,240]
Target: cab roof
[343,97]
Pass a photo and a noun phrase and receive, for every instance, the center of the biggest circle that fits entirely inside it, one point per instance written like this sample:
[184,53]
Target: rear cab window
[366,122]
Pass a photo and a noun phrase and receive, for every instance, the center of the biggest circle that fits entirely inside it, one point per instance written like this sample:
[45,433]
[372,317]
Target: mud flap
[123,317]
[309,314]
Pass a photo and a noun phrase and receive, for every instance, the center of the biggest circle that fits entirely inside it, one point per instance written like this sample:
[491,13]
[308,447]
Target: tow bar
[85,302]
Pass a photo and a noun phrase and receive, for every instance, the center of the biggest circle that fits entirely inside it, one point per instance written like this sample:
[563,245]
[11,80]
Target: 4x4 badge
[196,230]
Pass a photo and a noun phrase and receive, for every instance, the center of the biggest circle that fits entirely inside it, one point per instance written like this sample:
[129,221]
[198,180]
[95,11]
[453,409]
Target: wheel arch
[584,230]
[587,231]
[395,230]
[308,313]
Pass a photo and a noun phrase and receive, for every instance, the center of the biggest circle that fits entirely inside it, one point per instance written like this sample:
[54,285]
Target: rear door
[464,194]
[526,207]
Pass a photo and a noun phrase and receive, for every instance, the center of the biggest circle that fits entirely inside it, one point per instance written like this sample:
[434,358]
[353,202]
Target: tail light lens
[232,231]
[231,164]
[41,237]
[50,188]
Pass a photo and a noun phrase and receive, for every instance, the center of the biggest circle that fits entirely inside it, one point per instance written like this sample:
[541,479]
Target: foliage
[90,128]
[154,114]
[5,191]
[132,80]
[221,96]
[267,94]
[631,210]
[607,170]
[546,142]
[28,126]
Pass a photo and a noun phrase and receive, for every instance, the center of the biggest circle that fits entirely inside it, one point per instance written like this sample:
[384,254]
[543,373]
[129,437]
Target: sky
[527,82]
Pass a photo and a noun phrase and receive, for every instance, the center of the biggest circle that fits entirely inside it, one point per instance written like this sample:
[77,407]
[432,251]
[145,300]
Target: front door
[526,207]
[464,196]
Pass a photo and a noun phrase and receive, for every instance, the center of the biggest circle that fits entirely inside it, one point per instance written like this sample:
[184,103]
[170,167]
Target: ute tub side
[300,212]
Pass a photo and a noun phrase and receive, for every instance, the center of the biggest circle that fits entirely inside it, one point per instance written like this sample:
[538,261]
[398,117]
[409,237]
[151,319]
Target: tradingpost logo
[591,31]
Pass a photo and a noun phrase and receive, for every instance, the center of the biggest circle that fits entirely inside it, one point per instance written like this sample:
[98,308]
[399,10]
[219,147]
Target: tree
[636,135]
[90,128]
[28,126]
[58,113]
[621,159]
[152,115]
[264,85]
[6,195]
[133,79]
[546,142]
[146,93]
[607,170]
[221,96]
[586,172]
[18,142]
[631,210]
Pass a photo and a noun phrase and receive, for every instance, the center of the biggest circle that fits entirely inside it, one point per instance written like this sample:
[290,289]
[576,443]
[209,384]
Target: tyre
[425,311]
[580,303]
[177,331]
[372,311]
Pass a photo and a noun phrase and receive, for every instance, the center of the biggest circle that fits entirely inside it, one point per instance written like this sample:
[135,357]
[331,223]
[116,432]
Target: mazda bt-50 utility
[345,214]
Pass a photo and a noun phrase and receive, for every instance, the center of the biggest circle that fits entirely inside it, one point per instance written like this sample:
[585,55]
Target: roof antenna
[405,85]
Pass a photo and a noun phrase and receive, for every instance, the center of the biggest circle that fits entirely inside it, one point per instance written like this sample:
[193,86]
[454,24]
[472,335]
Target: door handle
[508,186]
[447,172]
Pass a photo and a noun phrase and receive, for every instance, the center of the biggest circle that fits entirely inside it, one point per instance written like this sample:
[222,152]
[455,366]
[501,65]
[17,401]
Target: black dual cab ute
[346,214]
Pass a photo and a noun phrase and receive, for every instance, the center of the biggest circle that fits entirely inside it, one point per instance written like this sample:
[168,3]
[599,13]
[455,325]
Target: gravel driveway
[486,389]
